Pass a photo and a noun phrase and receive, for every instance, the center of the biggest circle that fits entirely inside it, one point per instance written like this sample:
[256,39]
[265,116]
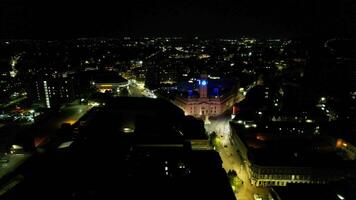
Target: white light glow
[65,145]
[340,196]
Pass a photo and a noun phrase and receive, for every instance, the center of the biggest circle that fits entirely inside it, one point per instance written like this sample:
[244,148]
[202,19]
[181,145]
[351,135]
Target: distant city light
[70,121]
[13,63]
[128,130]
[65,145]
[340,196]
[14,146]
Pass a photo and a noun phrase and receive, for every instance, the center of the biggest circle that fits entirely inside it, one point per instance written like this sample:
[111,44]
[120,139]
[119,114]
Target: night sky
[57,19]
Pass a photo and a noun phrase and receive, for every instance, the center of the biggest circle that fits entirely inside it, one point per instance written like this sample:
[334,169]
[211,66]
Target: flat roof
[295,150]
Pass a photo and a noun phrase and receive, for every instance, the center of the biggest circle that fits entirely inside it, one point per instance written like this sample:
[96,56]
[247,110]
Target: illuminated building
[205,105]
[50,90]
[103,81]
[109,86]
[275,159]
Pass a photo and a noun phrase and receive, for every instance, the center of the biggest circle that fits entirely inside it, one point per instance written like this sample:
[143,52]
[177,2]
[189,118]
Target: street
[15,160]
[134,90]
[69,114]
[232,160]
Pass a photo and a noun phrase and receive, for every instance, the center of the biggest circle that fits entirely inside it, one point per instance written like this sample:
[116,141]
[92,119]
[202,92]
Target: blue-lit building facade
[205,104]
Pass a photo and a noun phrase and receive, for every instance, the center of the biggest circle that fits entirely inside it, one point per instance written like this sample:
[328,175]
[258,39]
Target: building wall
[281,175]
[204,106]
[236,140]
[112,87]
[50,91]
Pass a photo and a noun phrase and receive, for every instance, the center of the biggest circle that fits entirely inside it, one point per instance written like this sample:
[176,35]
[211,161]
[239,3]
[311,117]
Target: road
[70,114]
[12,102]
[135,90]
[15,160]
[232,160]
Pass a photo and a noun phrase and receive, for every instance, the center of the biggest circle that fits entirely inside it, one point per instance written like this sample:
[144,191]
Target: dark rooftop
[285,149]
[148,160]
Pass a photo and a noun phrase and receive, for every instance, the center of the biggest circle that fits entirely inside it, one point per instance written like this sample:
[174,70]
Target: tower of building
[203,86]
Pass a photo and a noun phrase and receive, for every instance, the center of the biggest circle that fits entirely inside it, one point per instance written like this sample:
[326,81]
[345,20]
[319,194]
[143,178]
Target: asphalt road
[15,160]
[69,114]
[232,160]
[135,90]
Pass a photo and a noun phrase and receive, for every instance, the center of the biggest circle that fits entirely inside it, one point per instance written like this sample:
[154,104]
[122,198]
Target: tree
[212,138]
[234,180]
[124,92]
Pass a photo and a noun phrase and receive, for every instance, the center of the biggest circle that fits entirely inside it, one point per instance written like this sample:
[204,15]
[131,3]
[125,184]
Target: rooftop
[266,147]
[104,161]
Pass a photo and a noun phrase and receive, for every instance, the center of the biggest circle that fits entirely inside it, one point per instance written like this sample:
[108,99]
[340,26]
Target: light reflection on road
[70,114]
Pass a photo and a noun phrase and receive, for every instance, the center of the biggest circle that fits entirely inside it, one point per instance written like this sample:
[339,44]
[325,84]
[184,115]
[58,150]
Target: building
[108,82]
[50,89]
[333,191]
[279,159]
[205,104]
[140,144]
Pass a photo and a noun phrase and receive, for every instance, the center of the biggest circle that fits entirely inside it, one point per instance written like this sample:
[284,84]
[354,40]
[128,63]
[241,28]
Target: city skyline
[142,99]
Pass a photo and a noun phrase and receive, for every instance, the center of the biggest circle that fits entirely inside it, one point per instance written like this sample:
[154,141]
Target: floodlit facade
[204,105]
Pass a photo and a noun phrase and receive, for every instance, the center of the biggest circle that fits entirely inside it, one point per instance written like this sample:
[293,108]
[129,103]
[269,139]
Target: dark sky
[268,18]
